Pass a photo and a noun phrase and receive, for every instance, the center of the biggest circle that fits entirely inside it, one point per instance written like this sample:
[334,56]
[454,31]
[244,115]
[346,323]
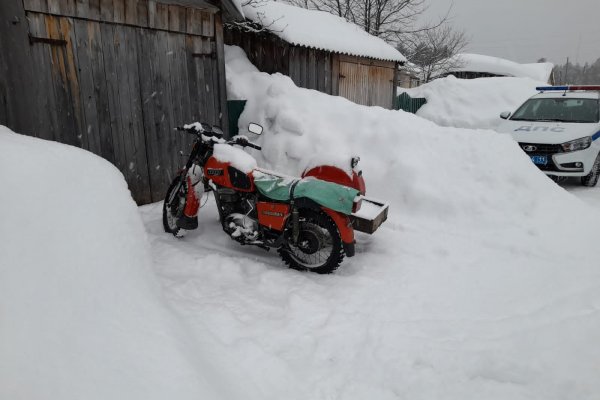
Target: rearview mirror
[255,128]
[505,114]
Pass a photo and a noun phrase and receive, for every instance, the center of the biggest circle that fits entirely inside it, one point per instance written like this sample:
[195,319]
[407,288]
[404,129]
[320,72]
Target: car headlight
[577,144]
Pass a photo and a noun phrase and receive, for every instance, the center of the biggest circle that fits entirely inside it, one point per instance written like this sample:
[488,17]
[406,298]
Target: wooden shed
[319,51]
[115,77]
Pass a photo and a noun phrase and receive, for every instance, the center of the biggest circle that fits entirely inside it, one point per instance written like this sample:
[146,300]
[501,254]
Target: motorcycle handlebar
[254,146]
[243,141]
[191,130]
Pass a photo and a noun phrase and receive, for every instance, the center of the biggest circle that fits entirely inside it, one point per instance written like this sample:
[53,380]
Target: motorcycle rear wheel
[319,248]
[173,206]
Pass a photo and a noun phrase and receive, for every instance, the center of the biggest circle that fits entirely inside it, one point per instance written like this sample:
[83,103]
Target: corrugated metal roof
[320,30]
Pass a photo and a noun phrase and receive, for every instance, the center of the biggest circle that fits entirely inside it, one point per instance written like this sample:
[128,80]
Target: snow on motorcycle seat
[328,194]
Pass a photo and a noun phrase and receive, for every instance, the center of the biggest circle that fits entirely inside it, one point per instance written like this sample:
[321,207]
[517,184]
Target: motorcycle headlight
[578,144]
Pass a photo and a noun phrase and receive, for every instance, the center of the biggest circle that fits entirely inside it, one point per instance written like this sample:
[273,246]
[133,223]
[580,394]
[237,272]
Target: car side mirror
[505,114]
[255,128]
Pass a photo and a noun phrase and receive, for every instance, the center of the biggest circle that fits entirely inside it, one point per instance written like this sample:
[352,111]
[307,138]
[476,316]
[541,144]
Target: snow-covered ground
[82,315]
[483,283]
[590,196]
[477,103]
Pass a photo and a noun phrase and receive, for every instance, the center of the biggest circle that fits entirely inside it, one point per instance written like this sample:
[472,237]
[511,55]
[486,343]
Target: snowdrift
[445,173]
[82,315]
[500,66]
[482,284]
[472,103]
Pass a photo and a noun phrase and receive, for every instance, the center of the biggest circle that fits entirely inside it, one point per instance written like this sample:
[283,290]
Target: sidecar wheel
[173,206]
[319,248]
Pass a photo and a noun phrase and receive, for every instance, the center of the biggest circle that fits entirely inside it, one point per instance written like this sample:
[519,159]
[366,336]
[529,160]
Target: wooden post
[220,49]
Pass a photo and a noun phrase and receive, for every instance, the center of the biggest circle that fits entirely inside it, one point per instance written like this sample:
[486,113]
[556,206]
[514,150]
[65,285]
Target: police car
[559,128]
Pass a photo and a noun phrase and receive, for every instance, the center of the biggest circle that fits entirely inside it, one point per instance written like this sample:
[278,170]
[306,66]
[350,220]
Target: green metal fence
[409,104]
[234,110]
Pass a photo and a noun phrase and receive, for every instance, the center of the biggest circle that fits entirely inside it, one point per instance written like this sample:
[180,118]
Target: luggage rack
[370,216]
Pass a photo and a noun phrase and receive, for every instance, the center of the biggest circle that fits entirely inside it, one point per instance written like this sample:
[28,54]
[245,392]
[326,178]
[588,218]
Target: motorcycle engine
[239,214]
[242,226]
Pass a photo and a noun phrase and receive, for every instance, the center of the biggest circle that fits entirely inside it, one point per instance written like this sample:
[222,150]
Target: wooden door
[92,77]
[354,82]
[381,86]
[117,84]
[369,85]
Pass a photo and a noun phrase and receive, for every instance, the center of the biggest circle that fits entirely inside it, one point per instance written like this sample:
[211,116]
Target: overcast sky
[526,30]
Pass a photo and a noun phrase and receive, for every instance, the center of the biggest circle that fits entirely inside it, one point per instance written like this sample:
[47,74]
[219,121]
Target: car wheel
[591,179]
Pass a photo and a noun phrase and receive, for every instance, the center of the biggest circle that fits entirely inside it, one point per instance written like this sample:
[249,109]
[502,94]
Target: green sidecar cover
[331,195]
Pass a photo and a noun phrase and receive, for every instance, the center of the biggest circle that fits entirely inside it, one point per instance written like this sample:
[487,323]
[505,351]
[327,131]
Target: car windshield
[559,109]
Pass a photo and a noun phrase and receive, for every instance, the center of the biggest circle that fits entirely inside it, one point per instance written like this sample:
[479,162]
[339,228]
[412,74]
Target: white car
[559,128]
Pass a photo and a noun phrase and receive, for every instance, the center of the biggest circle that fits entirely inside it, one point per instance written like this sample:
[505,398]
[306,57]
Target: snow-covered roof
[499,66]
[320,30]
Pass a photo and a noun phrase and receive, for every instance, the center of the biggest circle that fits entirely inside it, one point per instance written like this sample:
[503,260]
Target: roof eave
[230,10]
[401,62]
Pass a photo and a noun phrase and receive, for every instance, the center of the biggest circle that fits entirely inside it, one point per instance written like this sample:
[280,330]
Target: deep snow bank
[482,284]
[81,313]
[439,172]
[472,103]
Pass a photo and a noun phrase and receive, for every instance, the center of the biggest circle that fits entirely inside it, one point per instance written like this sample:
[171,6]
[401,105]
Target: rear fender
[343,223]
[333,174]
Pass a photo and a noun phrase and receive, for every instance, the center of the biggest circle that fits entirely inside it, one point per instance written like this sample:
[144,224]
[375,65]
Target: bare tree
[388,19]
[431,47]
[434,51]
[263,24]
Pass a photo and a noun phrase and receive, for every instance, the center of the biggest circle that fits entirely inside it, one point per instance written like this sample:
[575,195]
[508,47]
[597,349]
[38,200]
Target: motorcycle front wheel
[319,246]
[174,205]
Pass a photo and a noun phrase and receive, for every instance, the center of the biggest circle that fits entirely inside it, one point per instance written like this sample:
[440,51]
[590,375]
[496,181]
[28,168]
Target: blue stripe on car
[596,136]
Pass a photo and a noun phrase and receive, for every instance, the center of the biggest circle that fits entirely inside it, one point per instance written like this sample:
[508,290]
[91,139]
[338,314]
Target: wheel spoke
[313,259]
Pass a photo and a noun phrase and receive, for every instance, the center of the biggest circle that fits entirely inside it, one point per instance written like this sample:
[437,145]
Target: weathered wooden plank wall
[354,82]
[368,82]
[113,77]
[362,80]
[308,68]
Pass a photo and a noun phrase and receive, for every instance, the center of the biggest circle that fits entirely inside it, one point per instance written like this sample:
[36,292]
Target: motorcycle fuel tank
[223,174]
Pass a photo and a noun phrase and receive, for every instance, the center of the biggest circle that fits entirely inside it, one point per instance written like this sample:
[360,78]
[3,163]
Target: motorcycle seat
[328,194]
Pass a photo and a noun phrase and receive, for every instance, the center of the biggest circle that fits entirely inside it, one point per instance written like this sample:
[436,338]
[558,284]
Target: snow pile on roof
[471,103]
[467,291]
[82,315]
[319,30]
[499,66]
